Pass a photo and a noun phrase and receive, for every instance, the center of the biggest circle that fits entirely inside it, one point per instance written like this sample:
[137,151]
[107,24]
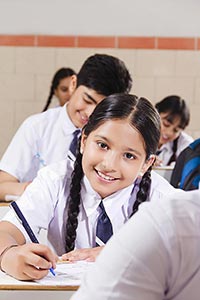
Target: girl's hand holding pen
[29,261]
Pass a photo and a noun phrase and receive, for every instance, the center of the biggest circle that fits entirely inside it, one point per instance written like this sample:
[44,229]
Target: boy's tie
[104,227]
[74,143]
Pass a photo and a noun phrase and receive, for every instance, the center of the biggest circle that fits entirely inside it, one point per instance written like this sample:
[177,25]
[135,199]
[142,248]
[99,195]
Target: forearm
[10,235]
[12,188]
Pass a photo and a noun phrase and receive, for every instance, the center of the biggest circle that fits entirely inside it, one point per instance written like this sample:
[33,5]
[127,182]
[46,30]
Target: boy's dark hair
[141,115]
[105,74]
[58,76]
[174,106]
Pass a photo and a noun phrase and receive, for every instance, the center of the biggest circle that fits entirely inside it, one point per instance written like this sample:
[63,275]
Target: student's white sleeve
[19,156]
[37,203]
[132,266]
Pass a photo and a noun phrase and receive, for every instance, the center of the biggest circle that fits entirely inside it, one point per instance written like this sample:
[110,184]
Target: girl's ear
[83,141]
[148,163]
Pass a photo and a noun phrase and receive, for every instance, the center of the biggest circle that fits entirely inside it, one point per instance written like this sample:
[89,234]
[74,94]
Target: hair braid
[74,203]
[174,149]
[143,192]
[49,99]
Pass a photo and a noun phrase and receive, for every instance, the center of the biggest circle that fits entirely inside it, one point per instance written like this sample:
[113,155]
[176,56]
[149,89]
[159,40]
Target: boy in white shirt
[46,137]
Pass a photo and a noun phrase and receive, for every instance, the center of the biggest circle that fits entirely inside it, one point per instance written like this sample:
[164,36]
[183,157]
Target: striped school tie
[74,142]
[104,227]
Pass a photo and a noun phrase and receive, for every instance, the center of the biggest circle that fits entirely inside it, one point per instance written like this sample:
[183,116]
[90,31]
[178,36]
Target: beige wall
[26,72]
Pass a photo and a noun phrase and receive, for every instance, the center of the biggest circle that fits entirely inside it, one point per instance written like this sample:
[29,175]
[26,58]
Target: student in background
[175,118]
[46,137]
[111,176]
[155,256]
[62,86]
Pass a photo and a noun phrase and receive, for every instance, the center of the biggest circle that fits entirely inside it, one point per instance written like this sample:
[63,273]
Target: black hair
[105,74]
[142,116]
[59,75]
[175,107]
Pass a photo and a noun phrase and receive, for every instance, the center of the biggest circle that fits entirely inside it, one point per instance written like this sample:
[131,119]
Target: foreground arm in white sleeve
[148,258]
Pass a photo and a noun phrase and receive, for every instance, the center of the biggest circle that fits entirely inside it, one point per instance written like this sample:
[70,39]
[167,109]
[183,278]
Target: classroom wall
[26,72]
[37,38]
[101,17]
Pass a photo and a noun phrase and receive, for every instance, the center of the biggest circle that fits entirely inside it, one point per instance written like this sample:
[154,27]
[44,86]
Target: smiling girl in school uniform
[113,167]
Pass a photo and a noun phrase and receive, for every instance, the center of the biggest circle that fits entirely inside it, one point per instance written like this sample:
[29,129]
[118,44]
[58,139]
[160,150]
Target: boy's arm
[10,185]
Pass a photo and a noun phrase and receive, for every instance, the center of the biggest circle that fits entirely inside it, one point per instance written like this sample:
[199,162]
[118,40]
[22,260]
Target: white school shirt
[44,201]
[166,149]
[42,139]
[155,256]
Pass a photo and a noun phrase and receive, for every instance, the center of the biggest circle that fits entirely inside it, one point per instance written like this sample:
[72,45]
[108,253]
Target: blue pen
[27,227]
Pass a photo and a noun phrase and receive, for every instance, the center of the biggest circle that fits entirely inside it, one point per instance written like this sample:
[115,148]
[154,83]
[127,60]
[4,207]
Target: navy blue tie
[158,152]
[104,227]
[74,143]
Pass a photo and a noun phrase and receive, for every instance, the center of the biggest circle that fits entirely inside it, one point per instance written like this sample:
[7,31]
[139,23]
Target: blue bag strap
[188,168]
[194,144]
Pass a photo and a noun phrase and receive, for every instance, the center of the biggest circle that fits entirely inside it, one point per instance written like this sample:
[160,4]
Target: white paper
[67,274]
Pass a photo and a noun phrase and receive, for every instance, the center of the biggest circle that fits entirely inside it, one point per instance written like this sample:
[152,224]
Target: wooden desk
[4,207]
[12,289]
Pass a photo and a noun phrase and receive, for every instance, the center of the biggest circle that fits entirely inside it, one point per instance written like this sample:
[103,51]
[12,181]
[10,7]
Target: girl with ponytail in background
[62,86]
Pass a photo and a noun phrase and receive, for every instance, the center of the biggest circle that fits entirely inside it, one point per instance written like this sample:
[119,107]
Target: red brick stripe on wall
[17,40]
[131,42]
[96,42]
[198,44]
[136,42]
[55,41]
[176,43]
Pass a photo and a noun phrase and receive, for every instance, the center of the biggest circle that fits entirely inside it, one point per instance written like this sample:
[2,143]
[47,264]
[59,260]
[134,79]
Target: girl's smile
[105,177]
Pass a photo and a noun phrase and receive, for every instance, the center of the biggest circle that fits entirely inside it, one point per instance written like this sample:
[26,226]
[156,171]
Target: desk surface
[9,283]
[166,168]
[68,277]
[4,203]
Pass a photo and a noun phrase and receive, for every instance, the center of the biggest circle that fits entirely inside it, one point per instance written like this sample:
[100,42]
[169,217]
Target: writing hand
[29,261]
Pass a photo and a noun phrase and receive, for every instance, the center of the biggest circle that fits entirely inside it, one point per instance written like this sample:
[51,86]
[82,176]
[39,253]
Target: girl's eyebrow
[127,149]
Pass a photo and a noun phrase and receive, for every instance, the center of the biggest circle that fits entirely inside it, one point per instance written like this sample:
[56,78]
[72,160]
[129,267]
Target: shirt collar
[111,203]
[166,146]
